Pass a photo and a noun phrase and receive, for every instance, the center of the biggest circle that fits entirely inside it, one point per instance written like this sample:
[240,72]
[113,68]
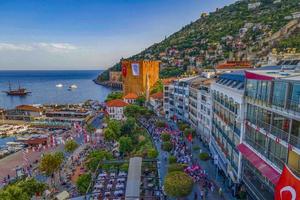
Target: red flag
[190,137]
[124,70]
[288,186]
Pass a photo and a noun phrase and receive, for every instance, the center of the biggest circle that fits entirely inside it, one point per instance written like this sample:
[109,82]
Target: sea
[42,85]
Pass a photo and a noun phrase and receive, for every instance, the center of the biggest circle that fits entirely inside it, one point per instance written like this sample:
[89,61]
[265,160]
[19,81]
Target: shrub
[165,137]
[204,156]
[160,124]
[172,159]
[196,148]
[178,184]
[176,167]
[167,146]
[152,153]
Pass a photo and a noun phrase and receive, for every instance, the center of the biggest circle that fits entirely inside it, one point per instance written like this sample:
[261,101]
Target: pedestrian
[202,194]
[212,187]
[195,196]
[220,192]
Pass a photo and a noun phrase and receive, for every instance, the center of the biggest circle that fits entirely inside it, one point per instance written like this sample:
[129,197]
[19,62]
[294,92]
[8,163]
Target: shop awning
[265,169]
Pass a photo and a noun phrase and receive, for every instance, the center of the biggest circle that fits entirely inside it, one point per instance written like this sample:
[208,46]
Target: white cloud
[56,47]
[15,47]
[49,47]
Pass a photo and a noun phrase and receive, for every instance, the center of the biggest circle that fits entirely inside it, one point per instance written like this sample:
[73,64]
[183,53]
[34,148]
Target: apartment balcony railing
[292,107]
[277,132]
[229,140]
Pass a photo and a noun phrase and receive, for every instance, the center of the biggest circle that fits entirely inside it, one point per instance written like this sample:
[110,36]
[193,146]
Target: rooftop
[275,72]
[116,103]
[158,95]
[131,96]
[28,108]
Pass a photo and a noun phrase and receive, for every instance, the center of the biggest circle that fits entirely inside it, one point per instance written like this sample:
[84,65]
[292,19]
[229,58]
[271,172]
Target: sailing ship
[18,92]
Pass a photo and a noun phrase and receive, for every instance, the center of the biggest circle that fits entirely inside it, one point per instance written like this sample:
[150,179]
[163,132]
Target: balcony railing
[277,132]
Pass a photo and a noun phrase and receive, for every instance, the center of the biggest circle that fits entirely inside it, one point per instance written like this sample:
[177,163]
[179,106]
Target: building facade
[200,107]
[272,128]
[227,127]
[115,109]
[176,99]
[139,76]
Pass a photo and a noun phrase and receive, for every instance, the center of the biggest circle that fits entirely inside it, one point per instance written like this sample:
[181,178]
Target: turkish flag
[124,70]
[190,137]
[288,186]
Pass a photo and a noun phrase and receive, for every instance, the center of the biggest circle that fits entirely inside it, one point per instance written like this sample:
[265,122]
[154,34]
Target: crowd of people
[182,150]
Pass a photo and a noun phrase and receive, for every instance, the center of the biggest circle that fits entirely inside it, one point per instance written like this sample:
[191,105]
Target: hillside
[247,29]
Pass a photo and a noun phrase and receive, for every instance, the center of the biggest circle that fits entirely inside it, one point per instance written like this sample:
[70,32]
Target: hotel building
[200,107]
[227,117]
[272,128]
[176,99]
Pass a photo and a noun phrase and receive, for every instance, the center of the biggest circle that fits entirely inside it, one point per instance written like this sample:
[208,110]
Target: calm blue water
[42,85]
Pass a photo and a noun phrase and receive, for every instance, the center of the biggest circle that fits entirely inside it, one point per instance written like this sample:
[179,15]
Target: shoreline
[109,84]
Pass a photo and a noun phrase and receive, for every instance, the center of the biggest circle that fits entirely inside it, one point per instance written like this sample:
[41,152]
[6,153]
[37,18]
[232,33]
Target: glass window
[295,98]
[279,93]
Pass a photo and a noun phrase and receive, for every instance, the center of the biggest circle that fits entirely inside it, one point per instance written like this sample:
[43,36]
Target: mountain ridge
[237,31]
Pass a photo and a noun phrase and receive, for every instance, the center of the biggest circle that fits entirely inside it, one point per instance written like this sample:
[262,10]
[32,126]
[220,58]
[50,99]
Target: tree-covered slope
[237,30]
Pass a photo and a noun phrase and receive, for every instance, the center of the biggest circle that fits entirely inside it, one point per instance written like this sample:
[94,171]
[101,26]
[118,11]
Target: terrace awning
[134,179]
[265,169]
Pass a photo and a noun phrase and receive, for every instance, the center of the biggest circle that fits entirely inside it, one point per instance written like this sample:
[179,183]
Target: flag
[135,69]
[190,137]
[288,186]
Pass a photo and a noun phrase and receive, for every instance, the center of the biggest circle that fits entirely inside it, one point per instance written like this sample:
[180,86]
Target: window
[295,98]
[279,93]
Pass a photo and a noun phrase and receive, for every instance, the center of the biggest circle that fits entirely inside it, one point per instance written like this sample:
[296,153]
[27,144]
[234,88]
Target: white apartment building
[176,99]
[201,107]
[227,124]
[115,109]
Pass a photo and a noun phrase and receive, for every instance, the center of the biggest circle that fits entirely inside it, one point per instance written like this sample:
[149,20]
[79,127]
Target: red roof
[116,103]
[131,96]
[261,165]
[158,95]
[234,65]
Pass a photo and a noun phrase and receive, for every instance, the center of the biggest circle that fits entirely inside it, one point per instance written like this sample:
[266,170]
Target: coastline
[116,85]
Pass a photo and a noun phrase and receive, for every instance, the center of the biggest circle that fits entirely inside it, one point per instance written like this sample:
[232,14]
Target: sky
[88,34]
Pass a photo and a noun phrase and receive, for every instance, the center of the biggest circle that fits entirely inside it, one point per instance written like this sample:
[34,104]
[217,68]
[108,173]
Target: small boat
[18,92]
[72,87]
[59,85]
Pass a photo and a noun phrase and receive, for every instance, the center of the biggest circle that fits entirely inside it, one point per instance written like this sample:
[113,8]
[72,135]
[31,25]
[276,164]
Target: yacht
[73,87]
[59,85]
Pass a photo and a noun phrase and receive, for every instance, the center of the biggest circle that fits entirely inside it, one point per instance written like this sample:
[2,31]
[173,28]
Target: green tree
[172,159]
[97,156]
[70,146]
[83,183]
[176,167]
[166,137]
[115,126]
[140,101]
[114,95]
[126,145]
[13,192]
[178,184]
[133,110]
[128,127]
[109,135]
[50,163]
[167,146]
[90,128]
[152,153]
[23,189]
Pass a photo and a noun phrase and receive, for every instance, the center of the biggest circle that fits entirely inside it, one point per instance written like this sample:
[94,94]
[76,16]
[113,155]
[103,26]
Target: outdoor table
[150,185]
[112,174]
